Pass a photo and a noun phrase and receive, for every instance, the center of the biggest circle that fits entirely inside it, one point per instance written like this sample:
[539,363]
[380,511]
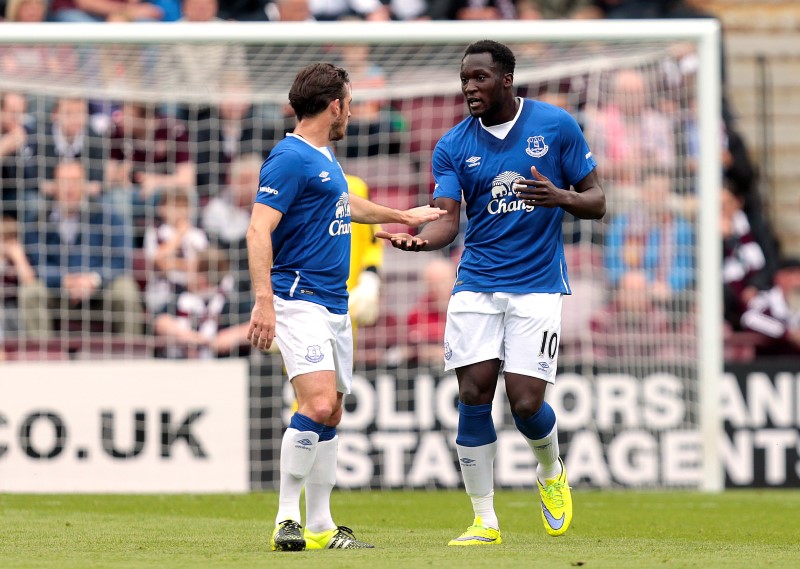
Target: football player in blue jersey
[512,162]
[299,255]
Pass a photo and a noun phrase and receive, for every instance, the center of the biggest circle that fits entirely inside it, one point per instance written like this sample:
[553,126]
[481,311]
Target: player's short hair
[315,87]
[501,54]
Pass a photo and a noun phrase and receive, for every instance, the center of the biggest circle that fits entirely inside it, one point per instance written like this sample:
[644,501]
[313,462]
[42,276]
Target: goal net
[163,131]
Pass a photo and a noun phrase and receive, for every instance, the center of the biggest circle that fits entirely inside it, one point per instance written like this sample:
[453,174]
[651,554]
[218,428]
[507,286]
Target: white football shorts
[312,339]
[521,330]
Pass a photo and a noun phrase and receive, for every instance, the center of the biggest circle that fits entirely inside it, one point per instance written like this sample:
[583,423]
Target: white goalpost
[654,398]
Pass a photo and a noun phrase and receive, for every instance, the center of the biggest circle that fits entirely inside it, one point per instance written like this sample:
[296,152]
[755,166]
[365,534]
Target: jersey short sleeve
[576,158]
[281,180]
[447,183]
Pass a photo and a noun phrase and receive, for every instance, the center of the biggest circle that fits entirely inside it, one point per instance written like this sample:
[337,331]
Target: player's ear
[336,106]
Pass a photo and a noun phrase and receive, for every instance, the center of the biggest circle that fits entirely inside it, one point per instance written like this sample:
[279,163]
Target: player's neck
[506,113]
[314,132]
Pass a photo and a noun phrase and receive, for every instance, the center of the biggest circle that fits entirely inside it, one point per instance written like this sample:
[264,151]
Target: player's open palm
[539,191]
[402,241]
[262,325]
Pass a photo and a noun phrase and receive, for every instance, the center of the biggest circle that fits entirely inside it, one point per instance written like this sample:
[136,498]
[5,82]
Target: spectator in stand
[427,319]
[373,128]
[192,322]
[200,11]
[232,128]
[105,11]
[68,136]
[632,9]
[17,153]
[81,253]
[244,10]
[15,271]
[406,10]
[171,245]
[652,239]
[627,9]
[22,61]
[204,68]
[752,301]
[147,152]
[332,10]
[289,11]
[226,218]
[30,11]
[558,9]
[629,135]
[634,325]
[472,10]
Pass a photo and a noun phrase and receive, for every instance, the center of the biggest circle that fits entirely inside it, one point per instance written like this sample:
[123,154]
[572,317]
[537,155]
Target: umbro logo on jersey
[268,190]
[325,176]
[473,161]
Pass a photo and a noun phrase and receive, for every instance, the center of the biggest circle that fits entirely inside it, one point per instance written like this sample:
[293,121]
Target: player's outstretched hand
[422,214]
[403,241]
[539,191]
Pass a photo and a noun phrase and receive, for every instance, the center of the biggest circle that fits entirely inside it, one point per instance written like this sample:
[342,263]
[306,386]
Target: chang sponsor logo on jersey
[503,198]
[341,224]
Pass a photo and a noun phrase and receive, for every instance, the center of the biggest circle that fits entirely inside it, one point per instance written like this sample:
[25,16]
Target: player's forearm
[439,233]
[365,211]
[589,204]
[259,256]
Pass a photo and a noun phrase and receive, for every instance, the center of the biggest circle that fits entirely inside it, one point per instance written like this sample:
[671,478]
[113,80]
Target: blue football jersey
[508,246]
[311,245]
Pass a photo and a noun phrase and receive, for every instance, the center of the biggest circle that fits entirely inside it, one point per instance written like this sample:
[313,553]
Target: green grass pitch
[620,529]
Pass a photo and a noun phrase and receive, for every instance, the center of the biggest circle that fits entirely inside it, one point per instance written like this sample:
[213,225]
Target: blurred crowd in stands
[328,10]
[129,219]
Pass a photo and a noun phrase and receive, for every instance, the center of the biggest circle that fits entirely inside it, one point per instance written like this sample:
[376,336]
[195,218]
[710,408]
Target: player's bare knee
[472,395]
[526,406]
[335,418]
[321,410]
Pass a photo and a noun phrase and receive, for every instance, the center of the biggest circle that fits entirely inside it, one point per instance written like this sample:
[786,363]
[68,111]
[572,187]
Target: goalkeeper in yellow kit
[366,259]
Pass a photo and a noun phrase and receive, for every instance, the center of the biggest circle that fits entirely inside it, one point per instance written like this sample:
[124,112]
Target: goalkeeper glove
[363,304]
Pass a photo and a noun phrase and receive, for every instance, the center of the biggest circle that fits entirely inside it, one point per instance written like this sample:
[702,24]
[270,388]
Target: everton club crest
[536,147]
